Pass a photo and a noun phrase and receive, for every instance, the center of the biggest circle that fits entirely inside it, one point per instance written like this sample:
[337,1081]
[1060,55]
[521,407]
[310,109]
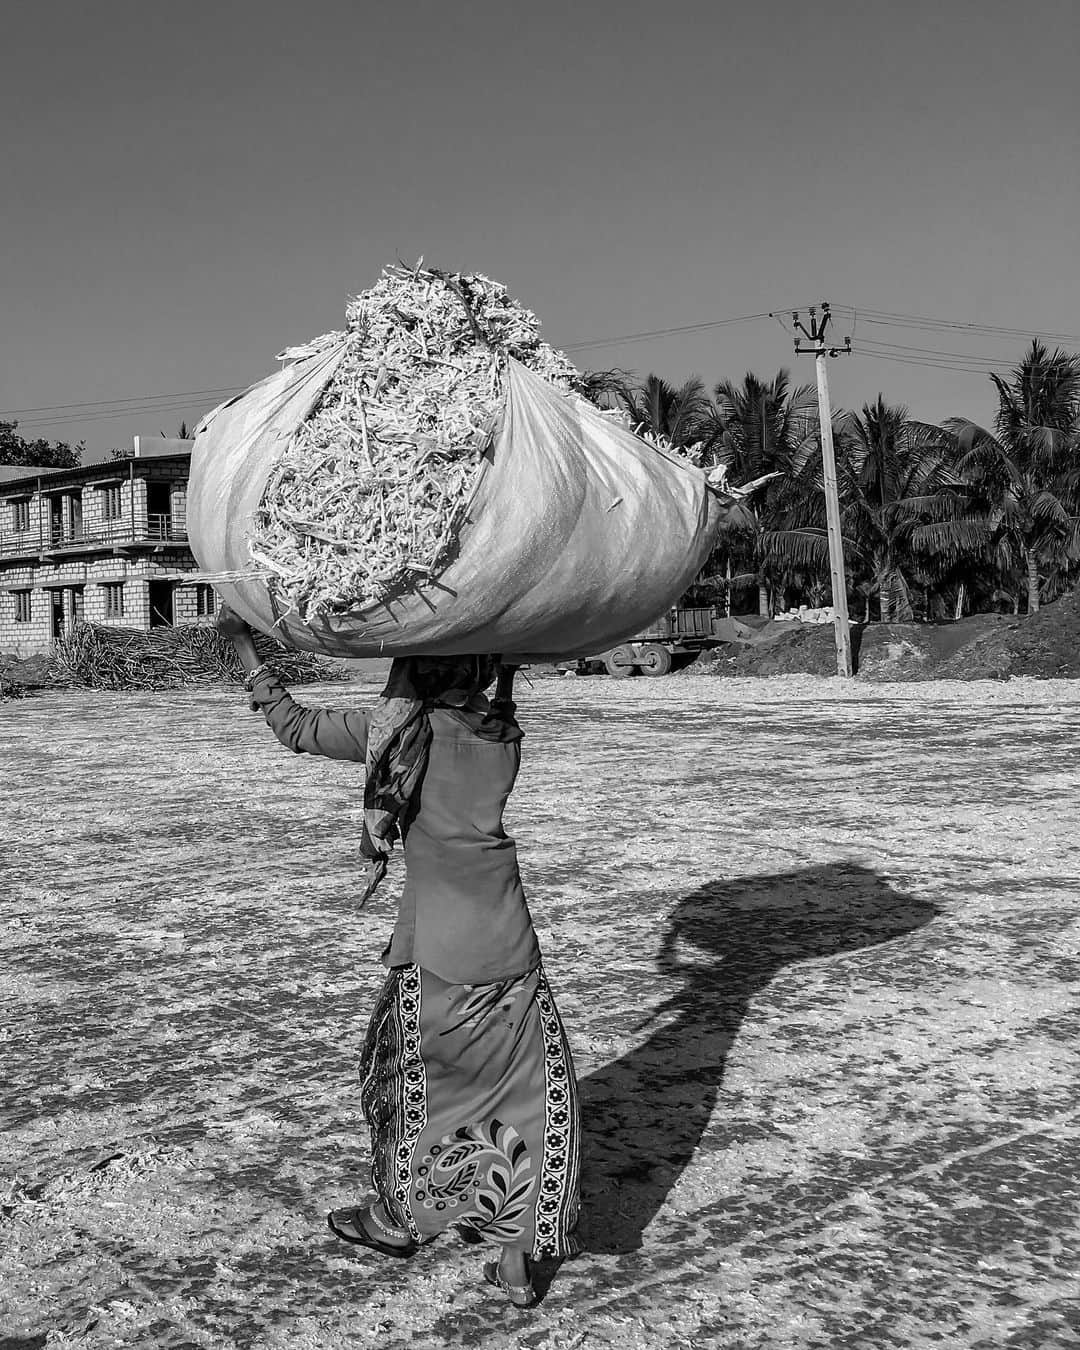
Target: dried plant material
[368,499]
[99,657]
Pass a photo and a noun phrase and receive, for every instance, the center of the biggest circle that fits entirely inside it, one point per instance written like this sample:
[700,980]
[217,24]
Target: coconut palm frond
[932,506]
[1049,508]
[952,539]
[734,581]
[968,435]
[664,411]
[796,548]
[1042,390]
[1045,445]
[894,589]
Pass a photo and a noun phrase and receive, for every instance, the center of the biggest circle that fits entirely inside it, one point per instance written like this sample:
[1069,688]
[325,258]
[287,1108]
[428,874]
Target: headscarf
[399,738]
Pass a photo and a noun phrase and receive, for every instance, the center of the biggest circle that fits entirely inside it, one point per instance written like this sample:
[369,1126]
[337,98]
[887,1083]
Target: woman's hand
[231,624]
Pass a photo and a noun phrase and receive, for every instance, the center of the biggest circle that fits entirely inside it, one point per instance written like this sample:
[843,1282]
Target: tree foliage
[1027,475]
[664,411]
[754,429]
[933,517]
[40,453]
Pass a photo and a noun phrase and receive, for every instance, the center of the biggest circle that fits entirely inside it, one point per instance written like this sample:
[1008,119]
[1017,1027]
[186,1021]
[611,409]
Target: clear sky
[186,189]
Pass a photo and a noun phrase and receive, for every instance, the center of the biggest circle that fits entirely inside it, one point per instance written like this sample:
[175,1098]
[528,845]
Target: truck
[682,631]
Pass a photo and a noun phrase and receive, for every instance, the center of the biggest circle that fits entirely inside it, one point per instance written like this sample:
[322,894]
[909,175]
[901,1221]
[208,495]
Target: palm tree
[753,429]
[664,411]
[1028,472]
[904,505]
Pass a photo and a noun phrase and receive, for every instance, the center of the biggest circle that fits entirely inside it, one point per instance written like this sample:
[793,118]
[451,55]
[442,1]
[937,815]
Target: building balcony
[108,536]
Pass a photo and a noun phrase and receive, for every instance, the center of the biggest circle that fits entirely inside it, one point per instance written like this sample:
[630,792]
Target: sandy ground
[815,945]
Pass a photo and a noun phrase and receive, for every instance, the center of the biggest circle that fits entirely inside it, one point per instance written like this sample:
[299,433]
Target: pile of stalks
[96,657]
[11,687]
[368,499]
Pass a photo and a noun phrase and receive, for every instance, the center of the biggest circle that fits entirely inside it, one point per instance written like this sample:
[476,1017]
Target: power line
[137,405]
[931,351]
[145,405]
[140,398]
[125,414]
[665,332]
[888,319]
[926,355]
[928,364]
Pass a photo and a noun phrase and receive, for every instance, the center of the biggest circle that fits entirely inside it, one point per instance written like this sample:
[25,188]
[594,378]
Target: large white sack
[578,533]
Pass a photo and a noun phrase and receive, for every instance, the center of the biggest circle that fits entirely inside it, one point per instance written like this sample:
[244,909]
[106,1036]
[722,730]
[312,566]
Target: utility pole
[816,336]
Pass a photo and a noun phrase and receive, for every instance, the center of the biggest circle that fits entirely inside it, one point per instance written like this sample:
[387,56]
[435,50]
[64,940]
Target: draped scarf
[399,739]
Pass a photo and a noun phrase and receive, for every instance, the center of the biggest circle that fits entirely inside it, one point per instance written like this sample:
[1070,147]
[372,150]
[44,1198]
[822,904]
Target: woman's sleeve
[310,731]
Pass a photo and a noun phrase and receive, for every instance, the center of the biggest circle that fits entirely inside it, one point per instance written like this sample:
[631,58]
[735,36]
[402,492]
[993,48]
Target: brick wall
[39,521]
[186,604]
[94,500]
[74,584]
[23,639]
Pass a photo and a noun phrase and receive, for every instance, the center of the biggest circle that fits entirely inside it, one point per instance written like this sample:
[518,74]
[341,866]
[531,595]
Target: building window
[112,506]
[22,606]
[205,601]
[114,599]
[20,516]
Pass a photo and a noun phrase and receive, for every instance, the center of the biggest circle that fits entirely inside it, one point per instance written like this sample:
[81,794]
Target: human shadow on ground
[644,1114]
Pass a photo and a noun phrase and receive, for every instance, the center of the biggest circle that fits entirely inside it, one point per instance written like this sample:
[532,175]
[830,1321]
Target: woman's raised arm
[305,731]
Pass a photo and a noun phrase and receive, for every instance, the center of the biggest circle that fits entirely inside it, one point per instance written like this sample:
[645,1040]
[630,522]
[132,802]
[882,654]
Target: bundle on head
[367,498]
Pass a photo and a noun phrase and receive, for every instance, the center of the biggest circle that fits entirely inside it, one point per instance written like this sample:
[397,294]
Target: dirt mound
[981,647]
[798,649]
[1045,646]
[882,651]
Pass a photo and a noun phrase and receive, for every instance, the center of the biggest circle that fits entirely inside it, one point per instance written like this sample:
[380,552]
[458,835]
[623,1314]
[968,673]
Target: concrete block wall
[80,577]
[88,577]
[186,606]
[24,639]
[177,478]
[136,600]
[92,501]
[94,495]
[39,524]
[179,504]
[136,494]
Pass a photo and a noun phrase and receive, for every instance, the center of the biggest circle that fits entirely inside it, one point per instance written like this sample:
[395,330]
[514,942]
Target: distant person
[467,1082]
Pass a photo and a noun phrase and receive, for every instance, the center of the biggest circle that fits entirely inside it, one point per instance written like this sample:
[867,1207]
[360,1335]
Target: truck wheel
[654,659]
[619,663]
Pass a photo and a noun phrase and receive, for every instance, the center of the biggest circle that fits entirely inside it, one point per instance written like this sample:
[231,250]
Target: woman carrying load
[468,1086]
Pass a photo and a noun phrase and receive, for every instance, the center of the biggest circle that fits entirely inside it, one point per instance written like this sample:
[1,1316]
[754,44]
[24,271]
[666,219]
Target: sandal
[362,1238]
[520,1295]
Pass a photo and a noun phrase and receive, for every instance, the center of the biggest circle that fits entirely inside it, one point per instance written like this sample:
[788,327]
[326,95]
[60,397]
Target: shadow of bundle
[92,656]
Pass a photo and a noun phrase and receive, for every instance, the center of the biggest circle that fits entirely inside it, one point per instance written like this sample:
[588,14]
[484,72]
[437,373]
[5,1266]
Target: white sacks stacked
[576,532]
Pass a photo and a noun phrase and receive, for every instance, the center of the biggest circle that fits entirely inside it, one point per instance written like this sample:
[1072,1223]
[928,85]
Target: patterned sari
[471,1100]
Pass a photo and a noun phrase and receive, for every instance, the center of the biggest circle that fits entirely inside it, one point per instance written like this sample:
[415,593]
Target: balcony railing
[105,534]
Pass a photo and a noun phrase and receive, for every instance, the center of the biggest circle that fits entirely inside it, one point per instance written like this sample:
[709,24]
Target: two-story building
[105,542]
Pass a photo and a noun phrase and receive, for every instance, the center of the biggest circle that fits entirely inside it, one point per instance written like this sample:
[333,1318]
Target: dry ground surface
[815,945]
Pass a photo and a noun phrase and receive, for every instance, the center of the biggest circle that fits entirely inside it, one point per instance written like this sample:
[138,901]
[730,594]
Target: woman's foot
[371,1227]
[512,1275]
